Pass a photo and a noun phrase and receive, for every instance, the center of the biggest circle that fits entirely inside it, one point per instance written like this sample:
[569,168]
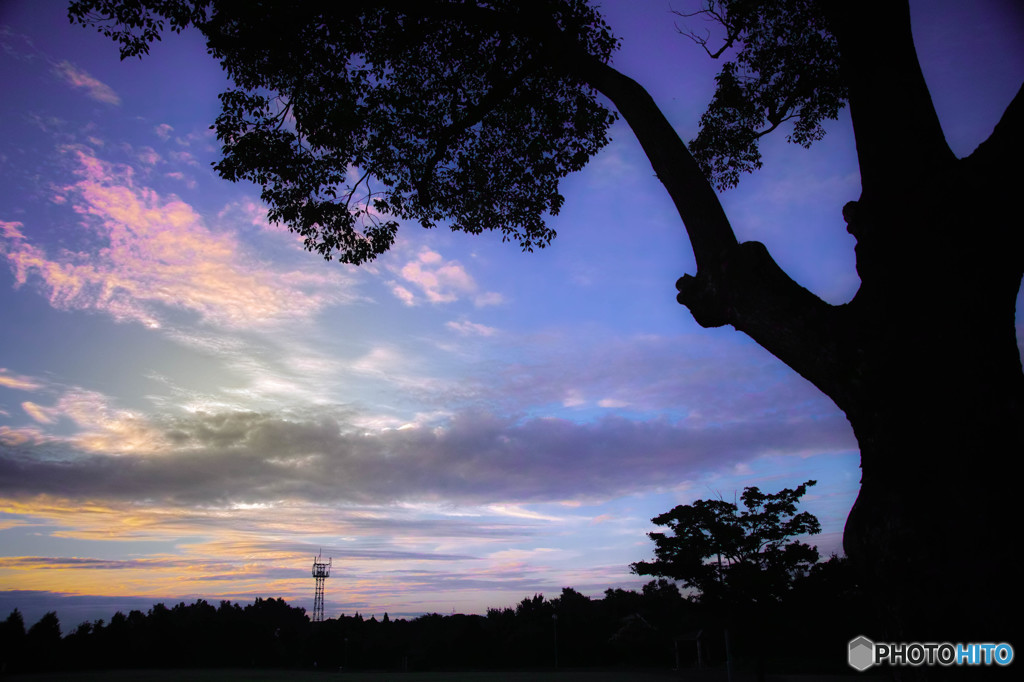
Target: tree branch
[737,284]
[475,114]
[706,224]
[717,17]
[899,138]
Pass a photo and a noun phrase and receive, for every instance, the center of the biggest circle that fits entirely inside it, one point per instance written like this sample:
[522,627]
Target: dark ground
[704,675]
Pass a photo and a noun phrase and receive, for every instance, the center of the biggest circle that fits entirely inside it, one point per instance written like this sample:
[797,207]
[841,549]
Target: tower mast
[321,571]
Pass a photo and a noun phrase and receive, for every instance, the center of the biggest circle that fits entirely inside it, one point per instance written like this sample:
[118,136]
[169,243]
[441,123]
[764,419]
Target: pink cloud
[250,212]
[189,182]
[403,294]
[440,281]
[8,380]
[157,251]
[185,157]
[37,412]
[149,156]
[25,435]
[101,92]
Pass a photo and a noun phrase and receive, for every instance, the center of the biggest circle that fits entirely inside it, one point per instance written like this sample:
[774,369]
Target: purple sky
[192,406]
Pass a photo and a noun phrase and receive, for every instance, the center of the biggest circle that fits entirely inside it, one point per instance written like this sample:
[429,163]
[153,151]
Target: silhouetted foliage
[418,105]
[624,628]
[470,113]
[12,641]
[42,643]
[786,68]
[733,555]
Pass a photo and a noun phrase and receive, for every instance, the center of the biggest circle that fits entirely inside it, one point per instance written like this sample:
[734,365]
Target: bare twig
[711,14]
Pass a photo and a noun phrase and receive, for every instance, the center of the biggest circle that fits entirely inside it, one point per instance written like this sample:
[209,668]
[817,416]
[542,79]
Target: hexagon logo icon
[861,653]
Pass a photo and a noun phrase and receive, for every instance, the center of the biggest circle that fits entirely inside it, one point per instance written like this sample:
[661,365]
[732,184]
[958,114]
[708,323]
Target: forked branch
[710,12]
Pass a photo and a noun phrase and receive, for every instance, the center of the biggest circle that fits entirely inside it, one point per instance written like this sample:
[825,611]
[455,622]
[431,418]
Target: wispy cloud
[56,563]
[97,90]
[21,383]
[439,281]
[177,175]
[255,548]
[157,252]
[467,328]
[37,412]
[149,156]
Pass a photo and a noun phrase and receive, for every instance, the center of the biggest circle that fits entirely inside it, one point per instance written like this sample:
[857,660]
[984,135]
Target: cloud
[106,429]
[189,182]
[440,281]
[56,563]
[21,383]
[248,213]
[149,157]
[188,159]
[708,377]
[573,398]
[488,298]
[38,413]
[155,253]
[14,438]
[101,92]
[467,328]
[403,294]
[476,458]
[248,549]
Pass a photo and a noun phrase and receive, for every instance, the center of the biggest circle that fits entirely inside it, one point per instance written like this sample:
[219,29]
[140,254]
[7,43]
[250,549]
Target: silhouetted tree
[825,610]
[42,643]
[742,563]
[736,555]
[12,641]
[575,630]
[471,113]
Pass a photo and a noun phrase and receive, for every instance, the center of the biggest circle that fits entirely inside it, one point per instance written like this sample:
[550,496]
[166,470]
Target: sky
[191,406]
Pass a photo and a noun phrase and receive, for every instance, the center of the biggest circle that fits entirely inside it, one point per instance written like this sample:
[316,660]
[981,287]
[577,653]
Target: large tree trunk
[940,414]
[938,406]
[923,361]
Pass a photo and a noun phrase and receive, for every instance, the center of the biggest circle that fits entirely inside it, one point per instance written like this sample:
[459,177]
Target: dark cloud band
[477,458]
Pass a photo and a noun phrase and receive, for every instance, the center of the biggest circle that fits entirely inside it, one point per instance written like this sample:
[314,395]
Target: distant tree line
[656,627]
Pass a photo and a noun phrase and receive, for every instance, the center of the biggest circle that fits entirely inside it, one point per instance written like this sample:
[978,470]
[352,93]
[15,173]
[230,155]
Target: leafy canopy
[785,68]
[726,553]
[351,118]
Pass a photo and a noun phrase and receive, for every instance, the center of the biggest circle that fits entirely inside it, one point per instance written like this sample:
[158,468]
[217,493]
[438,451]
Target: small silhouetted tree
[736,555]
[742,561]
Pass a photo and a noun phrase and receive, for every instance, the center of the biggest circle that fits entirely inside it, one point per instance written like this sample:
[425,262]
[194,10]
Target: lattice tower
[321,572]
